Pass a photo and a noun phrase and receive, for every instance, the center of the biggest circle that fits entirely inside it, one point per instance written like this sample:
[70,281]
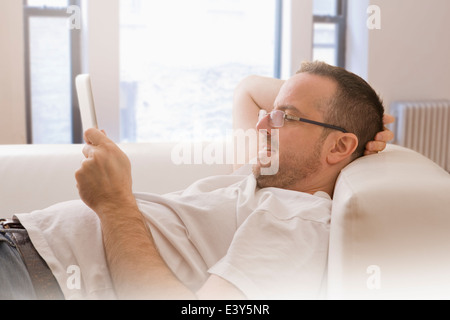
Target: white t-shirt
[270,243]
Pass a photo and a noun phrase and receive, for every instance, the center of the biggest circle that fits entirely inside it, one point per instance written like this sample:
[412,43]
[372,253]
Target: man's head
[311,156]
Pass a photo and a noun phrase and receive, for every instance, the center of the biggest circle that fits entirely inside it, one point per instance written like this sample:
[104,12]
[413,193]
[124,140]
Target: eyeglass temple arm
[329,126]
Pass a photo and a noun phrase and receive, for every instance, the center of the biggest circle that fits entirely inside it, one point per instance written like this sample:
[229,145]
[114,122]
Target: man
[257,236]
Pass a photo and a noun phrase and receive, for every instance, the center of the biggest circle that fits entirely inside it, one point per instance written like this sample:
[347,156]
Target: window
[329,31]
[181,60]
[52,60]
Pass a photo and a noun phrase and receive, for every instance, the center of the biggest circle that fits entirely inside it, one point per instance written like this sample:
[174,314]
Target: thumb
[95,137]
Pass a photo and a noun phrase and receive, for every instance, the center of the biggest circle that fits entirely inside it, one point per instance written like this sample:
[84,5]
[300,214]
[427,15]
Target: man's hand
[104,179]
[382,138]
[105,185]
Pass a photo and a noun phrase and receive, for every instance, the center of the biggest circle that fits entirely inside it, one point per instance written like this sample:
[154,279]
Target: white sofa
[37,176]
[390,228]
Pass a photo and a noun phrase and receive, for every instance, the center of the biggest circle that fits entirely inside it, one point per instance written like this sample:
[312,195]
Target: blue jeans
[15,281]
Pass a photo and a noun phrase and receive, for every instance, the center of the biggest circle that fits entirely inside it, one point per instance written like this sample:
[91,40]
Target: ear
[342,146]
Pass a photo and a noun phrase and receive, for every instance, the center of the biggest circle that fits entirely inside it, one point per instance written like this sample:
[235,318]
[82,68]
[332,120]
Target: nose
[264,123]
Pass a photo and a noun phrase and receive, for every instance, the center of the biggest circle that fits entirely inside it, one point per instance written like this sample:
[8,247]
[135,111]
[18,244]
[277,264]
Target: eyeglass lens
[276,118]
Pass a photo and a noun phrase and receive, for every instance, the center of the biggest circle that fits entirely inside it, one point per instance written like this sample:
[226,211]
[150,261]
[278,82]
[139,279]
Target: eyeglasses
[278,117]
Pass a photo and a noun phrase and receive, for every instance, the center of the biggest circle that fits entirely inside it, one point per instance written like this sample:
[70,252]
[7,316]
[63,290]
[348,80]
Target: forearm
[105,184]
[136,267]
[253,94]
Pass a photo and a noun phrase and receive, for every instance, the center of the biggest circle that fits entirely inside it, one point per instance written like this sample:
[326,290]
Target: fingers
[388,119]
[375,147]
[95,137]
[87,150]
[385,136]
[380,142]
[382,138]
[369,153]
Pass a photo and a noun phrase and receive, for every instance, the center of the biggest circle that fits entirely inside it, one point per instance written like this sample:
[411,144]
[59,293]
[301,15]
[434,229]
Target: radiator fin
[424,126]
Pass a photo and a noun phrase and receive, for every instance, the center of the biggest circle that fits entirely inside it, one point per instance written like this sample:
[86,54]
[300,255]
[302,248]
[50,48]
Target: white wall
[297,35]
[102,61]
[12,82]
[357,46]
[409,57]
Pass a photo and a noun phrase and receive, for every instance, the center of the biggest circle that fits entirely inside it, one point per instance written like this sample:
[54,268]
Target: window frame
[340,20]
[75,65]
[278,45]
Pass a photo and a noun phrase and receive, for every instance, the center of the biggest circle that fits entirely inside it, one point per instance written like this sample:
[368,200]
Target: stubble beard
[293,168]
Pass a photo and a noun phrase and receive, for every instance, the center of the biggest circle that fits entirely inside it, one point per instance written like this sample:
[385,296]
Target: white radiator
[424,126]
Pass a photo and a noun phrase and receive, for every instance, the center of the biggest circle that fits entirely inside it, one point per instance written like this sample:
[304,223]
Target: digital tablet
[86,102]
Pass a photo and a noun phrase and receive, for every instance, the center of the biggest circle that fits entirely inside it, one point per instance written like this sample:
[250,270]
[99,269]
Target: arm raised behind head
[255,93]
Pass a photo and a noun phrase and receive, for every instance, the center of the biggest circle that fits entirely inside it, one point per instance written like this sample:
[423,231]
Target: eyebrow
[291,108]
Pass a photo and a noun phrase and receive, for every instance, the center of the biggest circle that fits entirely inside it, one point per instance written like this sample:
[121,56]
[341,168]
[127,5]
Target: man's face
[300,144]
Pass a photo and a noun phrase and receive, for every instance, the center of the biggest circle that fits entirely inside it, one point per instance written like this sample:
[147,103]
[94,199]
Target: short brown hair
[355,107]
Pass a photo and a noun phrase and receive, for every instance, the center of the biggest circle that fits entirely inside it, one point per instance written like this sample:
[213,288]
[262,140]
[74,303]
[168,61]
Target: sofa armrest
[390,228]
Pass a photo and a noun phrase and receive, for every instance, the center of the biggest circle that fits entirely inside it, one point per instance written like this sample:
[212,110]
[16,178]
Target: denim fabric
[15,282]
